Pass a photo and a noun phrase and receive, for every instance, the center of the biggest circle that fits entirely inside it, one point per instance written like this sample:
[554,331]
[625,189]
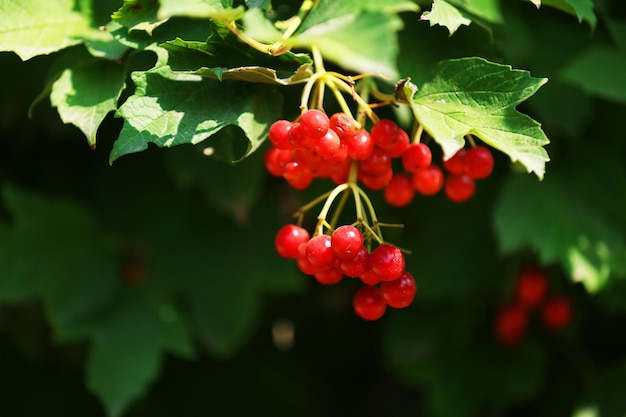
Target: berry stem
[295,21]
[417,136]
[319,230]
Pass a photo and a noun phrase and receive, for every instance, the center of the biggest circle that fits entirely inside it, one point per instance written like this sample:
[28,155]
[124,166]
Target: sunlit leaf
[477,97]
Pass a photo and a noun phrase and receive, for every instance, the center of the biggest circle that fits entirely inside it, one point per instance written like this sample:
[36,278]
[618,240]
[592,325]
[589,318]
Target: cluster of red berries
[531,294]
[317,146]
[330,257]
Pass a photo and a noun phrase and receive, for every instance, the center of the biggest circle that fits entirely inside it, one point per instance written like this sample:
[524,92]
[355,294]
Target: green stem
[329,201]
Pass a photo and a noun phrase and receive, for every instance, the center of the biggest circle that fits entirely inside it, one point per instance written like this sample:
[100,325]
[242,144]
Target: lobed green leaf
[30,28]
[477,97]
[444,14]
[85,93]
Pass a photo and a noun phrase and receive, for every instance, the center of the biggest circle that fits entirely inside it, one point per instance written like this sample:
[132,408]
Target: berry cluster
[344,252]
[531,294]
[320,147]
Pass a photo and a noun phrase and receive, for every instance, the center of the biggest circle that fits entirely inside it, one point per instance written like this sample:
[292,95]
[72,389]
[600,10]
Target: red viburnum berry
[329,276]
[314,123]
[376,182]
[402,144]
[478,162]
[400,292]
[459,187]
[328,144]
[279,134]
[510,325]
[356,266]
[369,278]
[385,133]
[344,125]
[532,286]
[399,192]
[288,239]
[368,303]
[416,156]
[303,262]
[556,312]
[456,164]
[387,262]
[346,241]
[360,145]
[376,164]
[319,251]
[428,180]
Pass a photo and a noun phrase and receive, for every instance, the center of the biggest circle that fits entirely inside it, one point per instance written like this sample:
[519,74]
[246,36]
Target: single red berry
[329,276]
[328,144]
[456,164]
[478,162]
[298,139]
[387,262]
[459,187]
[376,164]
[275,160]
[360,145]
[279,134]
[314,123]
[385,133]
[399,192]
[346,241]
[288,239]
[369,277]
[556,312]
[532,286]
[368,303]
[376,182]
[510,325]
[297,175]
[338,157]
[303,262]
[356,266]
[400,292]
[319,251]
[416,156]
[402,144]
[344,125]
[429,180]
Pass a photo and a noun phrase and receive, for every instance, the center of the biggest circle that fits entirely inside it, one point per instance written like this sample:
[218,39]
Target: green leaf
[477,97]
[30,27]
[599,71]
[211,9]
[358,35]
[170,109]
[127,347]
[582,239]
[73,273]
[192,58]
[489,10]
[362,43]
[85,93]
[444,14]
[138,15]
[582,9]
[206,271]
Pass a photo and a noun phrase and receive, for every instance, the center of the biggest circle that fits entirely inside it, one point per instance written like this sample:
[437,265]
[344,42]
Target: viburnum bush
[300,202]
